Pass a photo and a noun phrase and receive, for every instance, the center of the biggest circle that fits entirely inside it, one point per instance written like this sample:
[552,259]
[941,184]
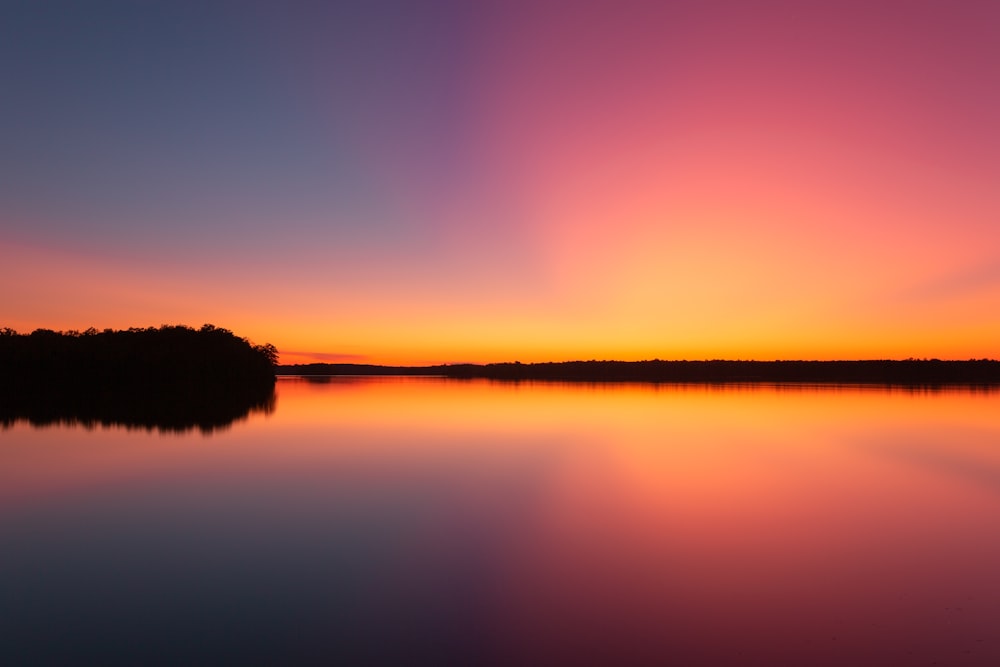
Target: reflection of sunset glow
[595,520]
[660,432]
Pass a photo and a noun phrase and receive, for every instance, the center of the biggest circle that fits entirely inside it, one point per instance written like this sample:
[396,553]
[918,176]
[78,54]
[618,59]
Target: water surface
[417,520]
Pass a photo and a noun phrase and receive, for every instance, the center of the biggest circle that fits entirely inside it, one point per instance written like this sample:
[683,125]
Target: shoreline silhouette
[910,372]
[171,378]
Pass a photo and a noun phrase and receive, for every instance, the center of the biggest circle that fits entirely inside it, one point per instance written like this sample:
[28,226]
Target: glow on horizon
[527,182]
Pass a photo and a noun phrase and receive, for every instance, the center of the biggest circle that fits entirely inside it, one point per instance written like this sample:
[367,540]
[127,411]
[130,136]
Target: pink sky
[530,181]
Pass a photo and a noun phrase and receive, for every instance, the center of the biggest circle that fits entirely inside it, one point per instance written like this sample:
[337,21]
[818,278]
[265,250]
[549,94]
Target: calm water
[430,521]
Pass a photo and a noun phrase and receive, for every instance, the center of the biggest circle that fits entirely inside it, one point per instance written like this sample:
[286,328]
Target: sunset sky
[428,182]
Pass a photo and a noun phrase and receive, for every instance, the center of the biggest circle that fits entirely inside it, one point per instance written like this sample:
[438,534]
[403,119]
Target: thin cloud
[328,357]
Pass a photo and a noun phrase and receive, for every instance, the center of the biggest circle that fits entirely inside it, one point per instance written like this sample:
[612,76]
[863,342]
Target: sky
[439,182]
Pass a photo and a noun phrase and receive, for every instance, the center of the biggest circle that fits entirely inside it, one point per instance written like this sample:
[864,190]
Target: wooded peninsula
[171,377]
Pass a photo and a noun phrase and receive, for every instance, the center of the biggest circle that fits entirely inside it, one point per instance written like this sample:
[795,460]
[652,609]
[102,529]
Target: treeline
[901,372]
[168,355]
[173,377]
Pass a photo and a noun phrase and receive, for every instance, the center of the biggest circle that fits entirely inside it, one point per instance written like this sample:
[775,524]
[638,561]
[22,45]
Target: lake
[431,521]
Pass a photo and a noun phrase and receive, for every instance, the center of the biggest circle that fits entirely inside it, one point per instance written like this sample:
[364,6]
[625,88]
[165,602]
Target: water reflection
[175,410]
[421,521]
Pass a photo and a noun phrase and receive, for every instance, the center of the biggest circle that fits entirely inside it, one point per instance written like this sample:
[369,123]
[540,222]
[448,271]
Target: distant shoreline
[889,372]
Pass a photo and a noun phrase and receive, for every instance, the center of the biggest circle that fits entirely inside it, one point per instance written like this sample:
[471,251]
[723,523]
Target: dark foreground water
[420,521]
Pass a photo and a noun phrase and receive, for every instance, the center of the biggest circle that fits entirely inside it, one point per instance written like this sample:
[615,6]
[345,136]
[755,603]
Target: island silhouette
[171,378]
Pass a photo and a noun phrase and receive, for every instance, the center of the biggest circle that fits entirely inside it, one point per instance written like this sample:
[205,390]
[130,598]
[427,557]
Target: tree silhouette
[908,372]
[168,377]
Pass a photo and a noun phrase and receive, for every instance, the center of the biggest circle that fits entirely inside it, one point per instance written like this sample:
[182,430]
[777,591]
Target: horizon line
[646,361]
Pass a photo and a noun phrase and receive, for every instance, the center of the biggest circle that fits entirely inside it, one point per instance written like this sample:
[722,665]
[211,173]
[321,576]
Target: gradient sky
[414,182]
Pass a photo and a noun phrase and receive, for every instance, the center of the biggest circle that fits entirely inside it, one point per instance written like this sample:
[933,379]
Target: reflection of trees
[166,410]
[172,378]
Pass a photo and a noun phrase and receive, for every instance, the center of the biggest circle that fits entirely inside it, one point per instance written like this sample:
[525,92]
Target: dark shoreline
[171,378]
[908,372]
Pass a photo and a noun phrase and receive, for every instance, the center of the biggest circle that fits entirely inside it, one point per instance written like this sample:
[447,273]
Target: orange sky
[530,181]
